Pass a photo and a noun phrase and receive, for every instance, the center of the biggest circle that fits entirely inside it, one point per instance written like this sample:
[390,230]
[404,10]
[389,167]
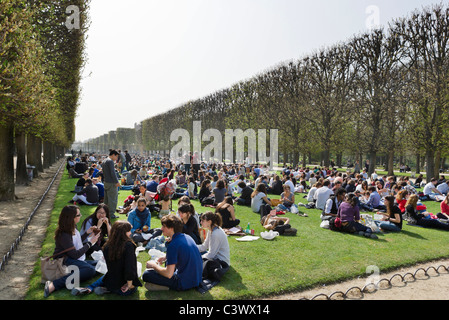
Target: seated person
[88,195]
[245,197]
[227,213]
[140,219]
[216,254]
[430,190]
[184,265]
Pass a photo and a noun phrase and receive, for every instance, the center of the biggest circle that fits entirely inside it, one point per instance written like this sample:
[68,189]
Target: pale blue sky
[148,56]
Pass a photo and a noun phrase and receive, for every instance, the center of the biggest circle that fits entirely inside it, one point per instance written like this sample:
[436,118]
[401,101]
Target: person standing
[111,182]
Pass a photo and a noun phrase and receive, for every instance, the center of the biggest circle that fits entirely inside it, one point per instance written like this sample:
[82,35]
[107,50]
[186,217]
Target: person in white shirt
[430,191]
[322,195]
[215,248]
[311,194]
[289,183]
[443,187]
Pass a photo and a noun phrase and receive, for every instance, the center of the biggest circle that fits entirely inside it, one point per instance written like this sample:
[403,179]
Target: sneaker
[100,290]
[155,287]
[114,216]
[80,291]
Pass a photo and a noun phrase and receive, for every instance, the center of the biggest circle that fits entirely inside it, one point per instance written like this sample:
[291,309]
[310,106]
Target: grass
[315,256]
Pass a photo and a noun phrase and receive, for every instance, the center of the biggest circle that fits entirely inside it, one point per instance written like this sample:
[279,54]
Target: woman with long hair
[119,253]
[190,226]
[259,200]
[66,237]
[227,212]
[216,256]
[422,219]
[100,221]
[392,220]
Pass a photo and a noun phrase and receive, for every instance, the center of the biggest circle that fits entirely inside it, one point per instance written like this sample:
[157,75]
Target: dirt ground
[15,276]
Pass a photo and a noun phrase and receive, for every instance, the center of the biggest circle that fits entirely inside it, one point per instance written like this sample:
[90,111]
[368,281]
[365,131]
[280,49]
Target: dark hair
[390,205]
[171,221]
[187,208]
[215,217]
[94,218]
[340,191]
[117,239]
[66,222]
[351,198]
[242,184]
[113,152]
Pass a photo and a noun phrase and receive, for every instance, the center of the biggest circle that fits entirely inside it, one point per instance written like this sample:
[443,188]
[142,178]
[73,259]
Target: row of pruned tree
[41,61]
[384,91]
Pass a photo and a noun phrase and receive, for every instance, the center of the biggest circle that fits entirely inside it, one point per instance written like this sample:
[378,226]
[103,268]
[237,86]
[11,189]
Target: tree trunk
[34,156]
[437,164]
[372,163]
[390,162]
[430,165]
[7,187]
[418,164]
[47,162]
[21,169]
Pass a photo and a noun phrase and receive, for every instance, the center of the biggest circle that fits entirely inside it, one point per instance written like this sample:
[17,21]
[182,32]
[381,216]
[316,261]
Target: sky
[149,56]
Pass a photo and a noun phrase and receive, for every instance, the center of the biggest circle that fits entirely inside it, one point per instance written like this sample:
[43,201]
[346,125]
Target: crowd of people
[190,257]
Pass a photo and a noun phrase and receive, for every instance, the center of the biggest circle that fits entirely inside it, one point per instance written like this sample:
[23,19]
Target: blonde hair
[413,200]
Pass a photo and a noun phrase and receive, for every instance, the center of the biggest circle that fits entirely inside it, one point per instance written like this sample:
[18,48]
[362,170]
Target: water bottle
[248,229]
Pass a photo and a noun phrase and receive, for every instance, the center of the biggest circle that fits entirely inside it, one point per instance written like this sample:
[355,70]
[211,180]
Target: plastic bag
[294,209]
[155,254]
[101,266]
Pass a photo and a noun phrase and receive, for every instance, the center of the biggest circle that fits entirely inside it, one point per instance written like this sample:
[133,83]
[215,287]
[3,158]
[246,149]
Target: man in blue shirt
[184,265]
[374,200]
[152,185]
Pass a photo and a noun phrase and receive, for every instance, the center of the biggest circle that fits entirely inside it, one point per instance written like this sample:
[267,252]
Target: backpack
[335,224]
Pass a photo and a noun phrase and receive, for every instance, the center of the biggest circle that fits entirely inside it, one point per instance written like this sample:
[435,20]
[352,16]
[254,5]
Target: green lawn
[315,256]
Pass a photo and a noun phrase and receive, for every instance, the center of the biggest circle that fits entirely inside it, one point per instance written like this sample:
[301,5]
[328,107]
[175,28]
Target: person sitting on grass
[259,201]
[88,195]
[245,196]
[66,237]
[349,213]
[288,199]
[190,226]
[430,190]
[119,252]
[216,256]
[99,220]
[227,212]
[140,220]
[184,265]
[444,207]
[392,219]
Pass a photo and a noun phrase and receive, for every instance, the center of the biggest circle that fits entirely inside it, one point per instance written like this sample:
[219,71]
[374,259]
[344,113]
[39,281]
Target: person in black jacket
[245,196]
[119,253]
[66,237]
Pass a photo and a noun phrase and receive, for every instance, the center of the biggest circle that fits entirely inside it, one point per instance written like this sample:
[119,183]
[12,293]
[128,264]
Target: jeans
[354,226]
[86,271]
[387,225]
[100,283]
[153,276]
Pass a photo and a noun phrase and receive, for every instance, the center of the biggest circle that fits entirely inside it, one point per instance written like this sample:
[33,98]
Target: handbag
[52,269]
